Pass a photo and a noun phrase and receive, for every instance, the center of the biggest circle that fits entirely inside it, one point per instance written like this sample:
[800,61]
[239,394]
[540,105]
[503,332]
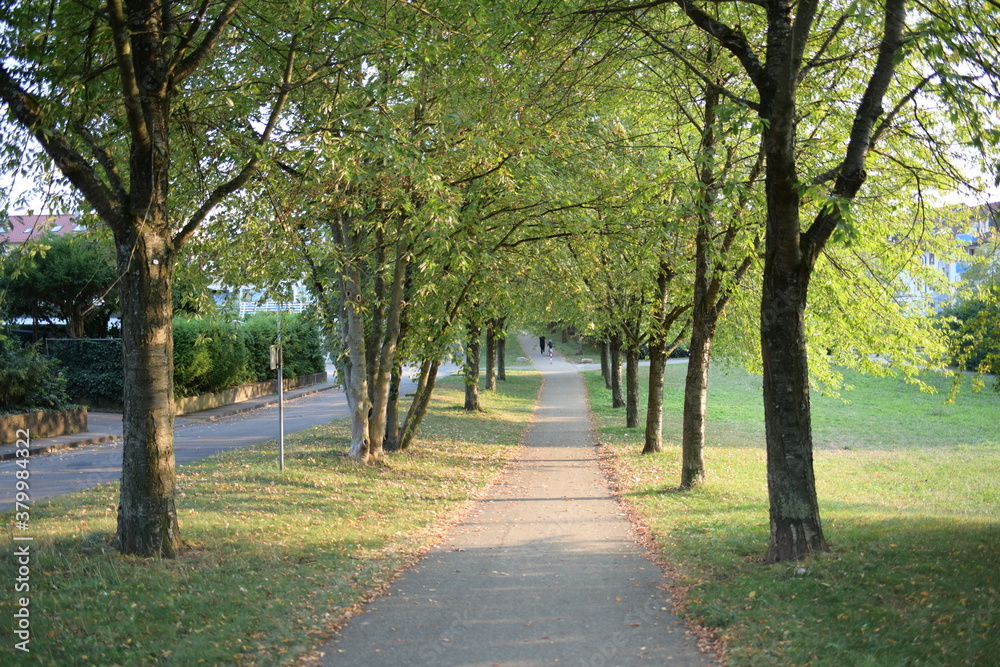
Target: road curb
[58,446]
[248,408]
[100,439]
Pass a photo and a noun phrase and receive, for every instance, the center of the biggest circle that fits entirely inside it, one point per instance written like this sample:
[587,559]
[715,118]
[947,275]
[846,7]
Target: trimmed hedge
[92,368]
[209,355]
[303,352]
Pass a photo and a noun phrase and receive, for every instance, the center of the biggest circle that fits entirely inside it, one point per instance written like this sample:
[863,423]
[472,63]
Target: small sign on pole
[276,361]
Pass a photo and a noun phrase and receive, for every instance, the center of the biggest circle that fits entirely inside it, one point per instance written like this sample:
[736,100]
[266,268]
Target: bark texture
[491,355]
[147,514]
[653,440]
[615,358]
[632,387]
[472,348]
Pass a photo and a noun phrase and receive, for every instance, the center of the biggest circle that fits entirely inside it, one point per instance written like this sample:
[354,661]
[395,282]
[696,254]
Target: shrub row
[29,382]
[209,355]
[92,368]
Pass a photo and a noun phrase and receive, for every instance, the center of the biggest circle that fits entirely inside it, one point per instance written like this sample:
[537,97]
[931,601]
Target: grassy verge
[910,500]
[569,350]
[273,559]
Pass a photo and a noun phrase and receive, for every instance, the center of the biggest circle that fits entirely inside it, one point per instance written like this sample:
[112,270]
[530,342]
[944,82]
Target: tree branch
[131,97]
[852,174]
[697,72]
[104,158]
[74,166]
[237,182]
[191,63]
[476,177]
[732,40]
[189,36]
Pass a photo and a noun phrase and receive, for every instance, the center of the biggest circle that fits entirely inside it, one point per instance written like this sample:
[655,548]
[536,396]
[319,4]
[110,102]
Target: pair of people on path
[542,343]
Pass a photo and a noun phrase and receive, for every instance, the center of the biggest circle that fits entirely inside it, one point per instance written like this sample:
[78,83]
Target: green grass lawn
[909,493]
[273,559]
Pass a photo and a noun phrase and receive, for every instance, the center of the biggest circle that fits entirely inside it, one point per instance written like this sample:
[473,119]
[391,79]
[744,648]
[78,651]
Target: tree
[104,90]
[973,317]
[790,253]
[417,167]
[72,278]
[474,332]
[817,140]
[717,274]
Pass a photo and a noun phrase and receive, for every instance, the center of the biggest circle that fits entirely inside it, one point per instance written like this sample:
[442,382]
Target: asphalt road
[77,469]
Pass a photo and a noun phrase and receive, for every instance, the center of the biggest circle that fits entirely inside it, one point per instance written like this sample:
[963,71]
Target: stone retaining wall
[43,424]
[246,392]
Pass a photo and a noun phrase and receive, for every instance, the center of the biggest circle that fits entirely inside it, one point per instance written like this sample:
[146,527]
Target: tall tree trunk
[704,315]
[795,522]
[75,321]
[376,321]
[502,349]
[632,387]
[794,510]
[392,411]
[653,441]
[663,319]
[606,363]
[354,369]
[491,355]
[387,354]
[695,401]
[147,515]
[615,354]
[474,330]
[421,399]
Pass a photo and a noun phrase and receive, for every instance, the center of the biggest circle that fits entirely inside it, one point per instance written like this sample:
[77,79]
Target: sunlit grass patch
[911,507]
[272,559]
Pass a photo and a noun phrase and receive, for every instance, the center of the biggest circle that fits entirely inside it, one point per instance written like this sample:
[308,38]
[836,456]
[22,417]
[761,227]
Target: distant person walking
[541,344]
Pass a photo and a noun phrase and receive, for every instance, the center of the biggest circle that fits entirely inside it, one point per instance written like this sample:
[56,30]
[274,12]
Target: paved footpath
[544,571]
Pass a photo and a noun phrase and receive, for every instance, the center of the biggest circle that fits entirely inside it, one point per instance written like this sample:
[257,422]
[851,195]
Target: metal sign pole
[281,403]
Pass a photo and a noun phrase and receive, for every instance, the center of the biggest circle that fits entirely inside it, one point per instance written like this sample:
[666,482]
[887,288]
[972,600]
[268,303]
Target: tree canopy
[643,171]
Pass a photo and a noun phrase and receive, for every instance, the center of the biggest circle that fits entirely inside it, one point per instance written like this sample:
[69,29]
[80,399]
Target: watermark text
[22,544]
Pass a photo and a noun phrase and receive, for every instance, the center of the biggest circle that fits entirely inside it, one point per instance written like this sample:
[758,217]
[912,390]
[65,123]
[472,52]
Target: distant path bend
[544,571]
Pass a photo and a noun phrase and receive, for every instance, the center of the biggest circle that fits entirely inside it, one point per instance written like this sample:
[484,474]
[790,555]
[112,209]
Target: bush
[302,347]
[976,337]
[682,351]
[92,367]
[259,332]
[303,353]
[209,355]
[29,382]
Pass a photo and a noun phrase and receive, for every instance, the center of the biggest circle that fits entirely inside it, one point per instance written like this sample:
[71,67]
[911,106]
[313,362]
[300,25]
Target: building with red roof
[23,228]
